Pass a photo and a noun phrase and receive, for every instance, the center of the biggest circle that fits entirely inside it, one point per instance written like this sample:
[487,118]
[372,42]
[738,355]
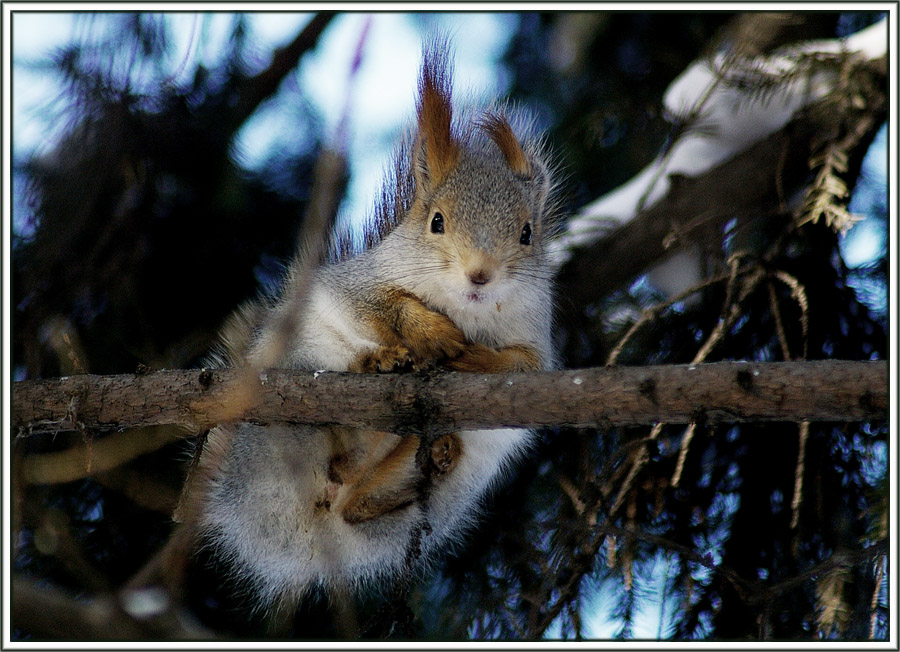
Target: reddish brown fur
[385,359]
[389,485]
[435,116]
[413,334]
[400,319]
[445,453]
[478,358]
[344,467]
[500,131]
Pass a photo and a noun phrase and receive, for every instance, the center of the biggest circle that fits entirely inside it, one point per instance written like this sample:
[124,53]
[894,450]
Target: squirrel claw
[398,366]
[385,360]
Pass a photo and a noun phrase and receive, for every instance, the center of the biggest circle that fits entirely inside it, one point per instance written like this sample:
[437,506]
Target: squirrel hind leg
[388,486]
[394,483]
[445,453]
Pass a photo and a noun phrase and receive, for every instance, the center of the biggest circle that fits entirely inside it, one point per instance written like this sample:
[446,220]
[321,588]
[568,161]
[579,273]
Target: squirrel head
[481,196]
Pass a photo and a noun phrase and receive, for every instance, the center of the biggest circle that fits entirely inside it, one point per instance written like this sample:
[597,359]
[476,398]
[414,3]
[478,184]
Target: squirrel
[458,279]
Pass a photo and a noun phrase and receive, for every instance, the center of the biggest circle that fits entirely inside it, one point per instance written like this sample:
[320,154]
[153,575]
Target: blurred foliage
[148,233]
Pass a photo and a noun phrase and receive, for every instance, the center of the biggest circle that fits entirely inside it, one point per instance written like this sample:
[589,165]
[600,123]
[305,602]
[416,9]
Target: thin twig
[733,313]
[779,326]
[742,586]
[779,176]
[798,293]
[693,115]
[682,453]
[798,475]
[252,91]
[844,558]
[178,512]
[642,458]
[650,313]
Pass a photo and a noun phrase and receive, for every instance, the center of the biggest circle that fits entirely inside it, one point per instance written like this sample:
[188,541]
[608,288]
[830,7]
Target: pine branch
[747,183]
[826,390]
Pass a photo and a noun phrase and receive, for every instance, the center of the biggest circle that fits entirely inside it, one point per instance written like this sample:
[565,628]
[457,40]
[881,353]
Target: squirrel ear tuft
[498,128]
[525,165]
[437,150]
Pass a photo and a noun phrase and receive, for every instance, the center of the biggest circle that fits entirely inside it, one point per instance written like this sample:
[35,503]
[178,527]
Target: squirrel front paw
[385,359]
[431,335]
[400,317]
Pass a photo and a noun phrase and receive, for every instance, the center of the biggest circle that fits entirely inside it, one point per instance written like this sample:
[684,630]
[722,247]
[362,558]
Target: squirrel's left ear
[436,151]
[524,165]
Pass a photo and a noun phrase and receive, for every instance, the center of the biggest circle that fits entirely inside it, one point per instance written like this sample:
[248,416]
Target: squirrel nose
[480,277]
[481,267]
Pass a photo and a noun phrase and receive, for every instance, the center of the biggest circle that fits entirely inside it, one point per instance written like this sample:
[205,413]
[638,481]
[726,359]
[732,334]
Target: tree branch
[252,91]
[826,390]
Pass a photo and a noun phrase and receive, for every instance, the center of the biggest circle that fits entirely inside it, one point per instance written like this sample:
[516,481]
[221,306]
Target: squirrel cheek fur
[457,278]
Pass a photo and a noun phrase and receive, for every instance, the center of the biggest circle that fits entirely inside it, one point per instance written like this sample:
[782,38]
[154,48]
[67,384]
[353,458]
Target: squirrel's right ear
[436,151]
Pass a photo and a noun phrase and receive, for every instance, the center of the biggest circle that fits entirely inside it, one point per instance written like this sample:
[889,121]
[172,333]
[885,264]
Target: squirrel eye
[437,223]
[525,238]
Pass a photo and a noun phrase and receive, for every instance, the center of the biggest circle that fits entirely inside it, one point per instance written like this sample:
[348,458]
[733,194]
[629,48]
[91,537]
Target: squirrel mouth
[474,297]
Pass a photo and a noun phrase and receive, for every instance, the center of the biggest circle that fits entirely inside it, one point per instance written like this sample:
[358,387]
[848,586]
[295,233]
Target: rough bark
[827,390]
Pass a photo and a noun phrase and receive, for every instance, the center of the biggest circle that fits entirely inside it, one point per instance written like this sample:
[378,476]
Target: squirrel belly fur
[457,278]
